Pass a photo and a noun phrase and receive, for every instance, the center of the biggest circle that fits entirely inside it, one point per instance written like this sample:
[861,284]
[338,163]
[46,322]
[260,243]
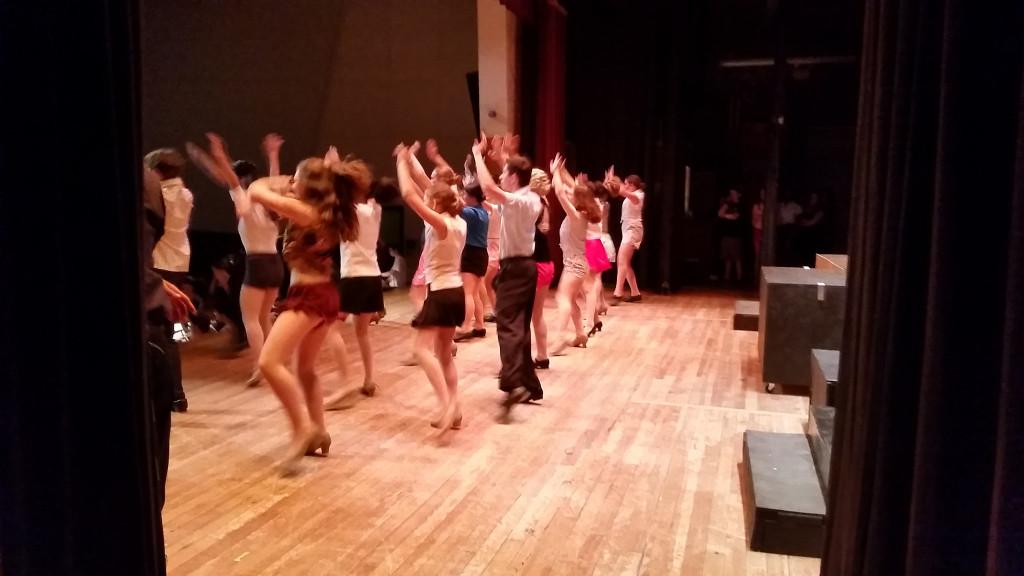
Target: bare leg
[592,286]
[417,295]
[492,271]
[478,307]
[365,348]
[443,351]
[540,329]
[568,287]
[336,345]
[625,259]
[251,303]
[469,282]
[309,349]
[426,345]
[289,331]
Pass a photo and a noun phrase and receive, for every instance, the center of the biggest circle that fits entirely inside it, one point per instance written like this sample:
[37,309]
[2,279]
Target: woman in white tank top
[445,307]
[362,297]
[632,192]
[257,228]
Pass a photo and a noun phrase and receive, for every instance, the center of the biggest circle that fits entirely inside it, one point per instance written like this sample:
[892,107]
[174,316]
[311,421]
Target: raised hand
[433,151]
[479,146]
[401,151]
[272,144]
[415,148]
[332,156]
[218,148]
[511,144]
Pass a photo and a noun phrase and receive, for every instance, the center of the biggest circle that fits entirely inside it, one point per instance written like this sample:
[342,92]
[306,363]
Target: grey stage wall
[361,74]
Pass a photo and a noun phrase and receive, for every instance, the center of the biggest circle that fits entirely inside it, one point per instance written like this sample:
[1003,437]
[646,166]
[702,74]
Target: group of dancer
[485,256]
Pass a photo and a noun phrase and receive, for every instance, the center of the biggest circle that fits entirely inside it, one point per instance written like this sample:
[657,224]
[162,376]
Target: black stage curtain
[637,76]
[76,478]
[927,456]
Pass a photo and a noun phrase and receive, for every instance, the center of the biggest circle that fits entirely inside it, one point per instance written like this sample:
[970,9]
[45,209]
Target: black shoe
[597,328]
[490,317]
[615,301]
[636,298]
[542,364]
[517,396]
[463,336]
[180,405]
[479,332]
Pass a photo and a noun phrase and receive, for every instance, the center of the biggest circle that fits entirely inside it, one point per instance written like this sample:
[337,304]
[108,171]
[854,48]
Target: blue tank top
[476,226]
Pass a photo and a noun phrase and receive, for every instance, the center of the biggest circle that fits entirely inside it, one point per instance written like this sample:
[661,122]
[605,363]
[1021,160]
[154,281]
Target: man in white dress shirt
[516,283]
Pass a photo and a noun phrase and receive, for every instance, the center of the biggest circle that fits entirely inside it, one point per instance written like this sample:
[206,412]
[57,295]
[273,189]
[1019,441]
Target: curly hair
[329,189]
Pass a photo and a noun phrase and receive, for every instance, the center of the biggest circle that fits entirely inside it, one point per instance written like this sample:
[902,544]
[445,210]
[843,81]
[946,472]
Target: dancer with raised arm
[516,282]
[257,228]
[445,306]
[632,191]
[361,291]
[321,213]
[581,210]
[597,261]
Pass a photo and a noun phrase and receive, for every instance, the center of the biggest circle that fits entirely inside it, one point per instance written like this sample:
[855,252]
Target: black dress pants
[516,288]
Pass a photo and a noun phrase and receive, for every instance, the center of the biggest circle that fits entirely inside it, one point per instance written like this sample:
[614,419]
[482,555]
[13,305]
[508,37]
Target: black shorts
[474,260]
[263,271]
[361,294]
[443,308]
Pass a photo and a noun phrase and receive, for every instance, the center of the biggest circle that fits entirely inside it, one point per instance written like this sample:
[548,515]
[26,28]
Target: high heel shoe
[579,342]
[542,364]
[597,328]
[319,440]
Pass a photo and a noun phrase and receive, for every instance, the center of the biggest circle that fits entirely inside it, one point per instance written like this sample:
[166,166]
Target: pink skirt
[597,258]
[545,274]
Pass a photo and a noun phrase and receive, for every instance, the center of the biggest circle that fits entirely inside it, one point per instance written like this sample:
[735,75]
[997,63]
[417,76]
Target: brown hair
[446,175]
[446,201]
[166,162]
[635,181]
[585,203]
[329,189]
[521,167]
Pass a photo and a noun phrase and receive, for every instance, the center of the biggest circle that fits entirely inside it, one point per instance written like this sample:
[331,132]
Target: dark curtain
[636,96]
[76,477]
[927,457]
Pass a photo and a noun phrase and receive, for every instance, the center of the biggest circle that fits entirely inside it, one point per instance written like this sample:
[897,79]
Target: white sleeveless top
[255,227]
[572,236]
[633,213]
[359,257]
[442,267]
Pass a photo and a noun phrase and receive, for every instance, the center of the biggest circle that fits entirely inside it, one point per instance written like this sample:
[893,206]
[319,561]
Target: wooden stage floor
[630,466]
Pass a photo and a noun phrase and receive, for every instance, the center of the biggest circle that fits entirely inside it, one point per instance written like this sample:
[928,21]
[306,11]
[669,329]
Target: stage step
[820,424]
[788,506]
[746,315]
[824,376]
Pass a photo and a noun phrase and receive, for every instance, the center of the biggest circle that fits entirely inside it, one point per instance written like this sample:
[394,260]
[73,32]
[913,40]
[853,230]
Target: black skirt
[263,271]
[443,308]
[361,294]
[474,260]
